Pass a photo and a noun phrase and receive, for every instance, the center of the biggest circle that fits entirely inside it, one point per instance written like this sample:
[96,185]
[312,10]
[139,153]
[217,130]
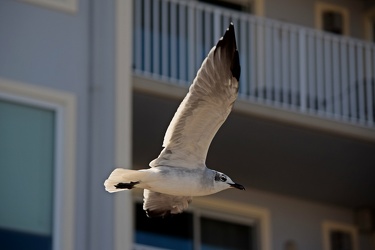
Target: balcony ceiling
[270,156]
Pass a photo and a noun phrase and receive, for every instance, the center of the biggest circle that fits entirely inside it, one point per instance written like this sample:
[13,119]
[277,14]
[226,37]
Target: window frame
[321,7]
[329,226]
[228,211]
[64,106]
[198,213]
[69,6]
[235,212]
[369,19]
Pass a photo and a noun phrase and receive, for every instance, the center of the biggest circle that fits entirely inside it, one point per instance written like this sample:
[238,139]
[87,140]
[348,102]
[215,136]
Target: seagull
[180,173]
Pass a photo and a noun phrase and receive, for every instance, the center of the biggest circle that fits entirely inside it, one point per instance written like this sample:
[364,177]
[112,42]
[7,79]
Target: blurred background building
[90,85]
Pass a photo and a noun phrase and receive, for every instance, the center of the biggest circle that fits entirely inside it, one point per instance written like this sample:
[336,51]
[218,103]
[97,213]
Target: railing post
[268,66]
[138,36]
[173,39]
[191,35]
[302,69]
[217,26]
[147,36]
[182,44]
[260,58]
[156,35]
[369,96]
[344,79]
[164,40]
[360,84]
[352,85]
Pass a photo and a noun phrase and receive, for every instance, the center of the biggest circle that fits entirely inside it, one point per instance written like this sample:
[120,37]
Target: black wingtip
[228,42]
[122,185]
[158,213]
[236,67]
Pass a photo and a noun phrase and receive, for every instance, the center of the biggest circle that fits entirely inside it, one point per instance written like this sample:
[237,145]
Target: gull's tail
[122,179]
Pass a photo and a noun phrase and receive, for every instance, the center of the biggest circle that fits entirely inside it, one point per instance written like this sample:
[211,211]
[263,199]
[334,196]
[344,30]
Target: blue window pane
[163,241]
[175,232]
[26,176]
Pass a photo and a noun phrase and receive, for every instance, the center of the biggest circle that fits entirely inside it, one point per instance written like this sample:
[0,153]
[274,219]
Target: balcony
[284,66]
[292,78]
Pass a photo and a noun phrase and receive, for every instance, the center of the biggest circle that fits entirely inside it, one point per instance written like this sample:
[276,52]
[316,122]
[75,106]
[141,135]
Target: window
[340,240]
[37,132]
[26,175]
[198,228]
[174,232]
[370,25]
[332,18]
[339,236]
[333,22]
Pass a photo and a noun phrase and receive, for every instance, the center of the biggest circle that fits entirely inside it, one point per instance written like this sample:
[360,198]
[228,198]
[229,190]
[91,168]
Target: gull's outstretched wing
[159,205]
[205,107]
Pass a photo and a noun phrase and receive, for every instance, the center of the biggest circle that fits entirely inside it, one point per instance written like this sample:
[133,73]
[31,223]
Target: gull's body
[179,173]
[179,182]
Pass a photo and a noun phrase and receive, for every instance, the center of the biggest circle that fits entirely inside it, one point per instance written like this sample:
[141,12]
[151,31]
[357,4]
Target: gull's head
[223,181]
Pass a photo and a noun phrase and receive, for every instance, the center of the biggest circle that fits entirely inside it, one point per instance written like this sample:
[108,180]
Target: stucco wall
[74,53]
[303,12]
[292,219]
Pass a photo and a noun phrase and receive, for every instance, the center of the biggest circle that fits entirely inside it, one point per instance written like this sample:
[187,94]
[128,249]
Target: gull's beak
[238,186]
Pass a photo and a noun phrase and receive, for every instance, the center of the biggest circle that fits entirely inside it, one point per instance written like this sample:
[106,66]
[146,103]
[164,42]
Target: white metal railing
[282,64]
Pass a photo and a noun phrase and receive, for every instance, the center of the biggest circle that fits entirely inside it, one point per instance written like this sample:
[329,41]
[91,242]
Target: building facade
[90,85]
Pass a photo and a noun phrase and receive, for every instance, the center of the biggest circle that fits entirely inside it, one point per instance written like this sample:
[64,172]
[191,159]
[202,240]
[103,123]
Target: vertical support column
[100,123]
[123,205]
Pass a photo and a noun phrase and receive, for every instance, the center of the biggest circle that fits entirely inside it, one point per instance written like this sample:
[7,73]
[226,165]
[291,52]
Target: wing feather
[205,107]
[159,205]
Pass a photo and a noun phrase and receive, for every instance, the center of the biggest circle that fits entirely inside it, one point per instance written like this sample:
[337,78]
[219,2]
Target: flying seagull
[180,172]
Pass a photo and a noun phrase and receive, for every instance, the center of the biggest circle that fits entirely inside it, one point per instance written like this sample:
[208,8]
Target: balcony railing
[283,65]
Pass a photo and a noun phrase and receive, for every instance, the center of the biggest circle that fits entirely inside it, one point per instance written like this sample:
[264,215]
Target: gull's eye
[223,178]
